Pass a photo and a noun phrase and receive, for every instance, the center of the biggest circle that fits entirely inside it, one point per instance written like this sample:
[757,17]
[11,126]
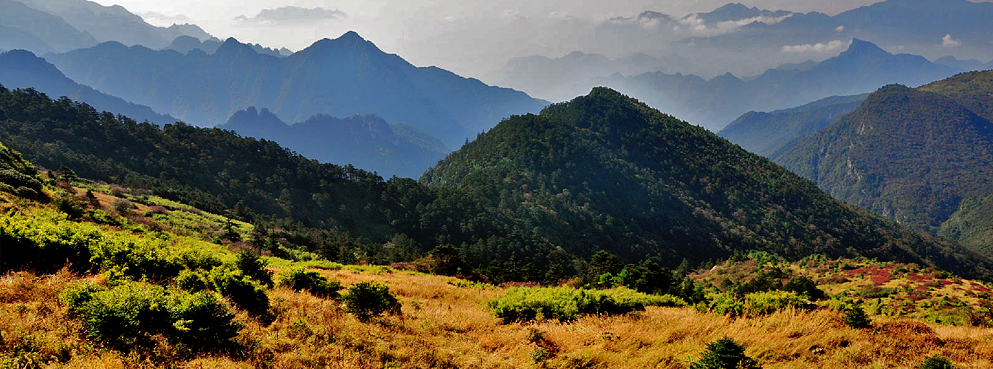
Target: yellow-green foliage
[565,303]
[764,303]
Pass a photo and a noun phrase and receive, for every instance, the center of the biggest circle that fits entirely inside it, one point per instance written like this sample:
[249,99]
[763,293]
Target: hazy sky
[470,37]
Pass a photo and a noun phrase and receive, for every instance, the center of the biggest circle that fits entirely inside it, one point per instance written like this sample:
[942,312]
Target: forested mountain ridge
[919,156]
[367,142]
[528,200]
[605,171]
[340,77]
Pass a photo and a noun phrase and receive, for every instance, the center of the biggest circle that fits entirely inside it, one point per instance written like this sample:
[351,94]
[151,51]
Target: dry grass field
[447,326]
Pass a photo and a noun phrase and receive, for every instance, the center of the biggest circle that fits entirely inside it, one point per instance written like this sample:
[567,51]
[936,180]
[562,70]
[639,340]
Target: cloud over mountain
[819,47]
[291,14]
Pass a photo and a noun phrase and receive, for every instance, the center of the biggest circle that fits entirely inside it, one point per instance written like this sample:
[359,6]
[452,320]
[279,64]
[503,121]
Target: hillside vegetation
[919,156]
[95,275]
[531,200]
[606,172]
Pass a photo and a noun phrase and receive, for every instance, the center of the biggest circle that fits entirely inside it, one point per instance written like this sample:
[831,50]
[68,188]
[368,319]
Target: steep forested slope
[606,172]
[911,155]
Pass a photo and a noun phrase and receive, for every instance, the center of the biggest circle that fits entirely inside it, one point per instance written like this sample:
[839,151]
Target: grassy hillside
[102,276]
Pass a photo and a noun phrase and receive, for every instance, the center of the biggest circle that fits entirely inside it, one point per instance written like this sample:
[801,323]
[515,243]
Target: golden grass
[446,326]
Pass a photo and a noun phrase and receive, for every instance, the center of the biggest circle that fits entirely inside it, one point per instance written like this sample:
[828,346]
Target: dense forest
[919,156]
[530,200]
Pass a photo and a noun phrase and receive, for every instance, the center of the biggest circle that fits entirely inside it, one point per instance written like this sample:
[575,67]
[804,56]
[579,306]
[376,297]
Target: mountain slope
[863,68]
[764,133]
[113,23]
[367,142]
[31,29]
[605,171]
[341,77]
[22,69]
[911,155]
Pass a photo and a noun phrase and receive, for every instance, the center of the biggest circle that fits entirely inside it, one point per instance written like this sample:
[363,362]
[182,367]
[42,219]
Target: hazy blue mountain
[862,68]
[367,142]
[964,65]
[737,12]
[23,27]
[560,79]
[113,23]
[185,44]
[922,156]
[22,69]
[763,133]
[912,26]
[341,77]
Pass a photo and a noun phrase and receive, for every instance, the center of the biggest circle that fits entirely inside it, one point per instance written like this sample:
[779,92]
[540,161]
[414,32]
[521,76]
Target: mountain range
[529,197]
[44,26]
[862,68]
[367,142]
[22,69]
[919,156]
[340,77]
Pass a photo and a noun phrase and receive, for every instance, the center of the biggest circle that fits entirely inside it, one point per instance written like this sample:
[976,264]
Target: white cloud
[291,15]
[159,19]
[840,28]
[814,48]
[948,41]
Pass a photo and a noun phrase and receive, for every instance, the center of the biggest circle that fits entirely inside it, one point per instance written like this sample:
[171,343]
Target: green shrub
[130,314]
[724,353]
[367,300]
[199,260]
[202,322]
[241,291]
[857,318]
[318,285]
[764,303]
[565,303]
[936,362]
[806,286]
[192,281]
[726,304]
[253,266]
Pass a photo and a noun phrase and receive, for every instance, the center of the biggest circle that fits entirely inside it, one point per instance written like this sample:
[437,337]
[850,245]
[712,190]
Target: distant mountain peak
[349,40]
[863,48]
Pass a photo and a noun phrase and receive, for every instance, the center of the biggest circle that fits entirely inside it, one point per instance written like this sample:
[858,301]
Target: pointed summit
[348,41]
[861,48]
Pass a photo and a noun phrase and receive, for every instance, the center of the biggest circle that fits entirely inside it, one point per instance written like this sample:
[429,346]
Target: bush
[936,362]
[367,300]
[313,282]
[253,266]
[131,314]
[724,353]
[857,318]
[804,285]
[565,303]
[726,304]
[242,292]
[763,303]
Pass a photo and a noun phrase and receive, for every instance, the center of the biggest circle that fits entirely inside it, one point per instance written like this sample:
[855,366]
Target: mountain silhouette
[367,142]
[340,77]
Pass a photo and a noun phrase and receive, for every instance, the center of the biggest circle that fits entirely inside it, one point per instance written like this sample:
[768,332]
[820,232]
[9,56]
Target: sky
[469,37]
